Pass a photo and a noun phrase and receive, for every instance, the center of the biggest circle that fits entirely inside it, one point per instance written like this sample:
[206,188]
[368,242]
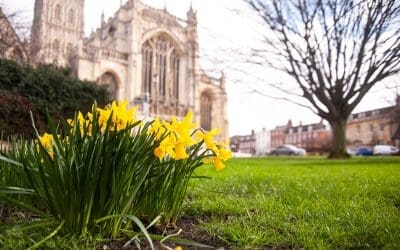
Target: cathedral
[142,54]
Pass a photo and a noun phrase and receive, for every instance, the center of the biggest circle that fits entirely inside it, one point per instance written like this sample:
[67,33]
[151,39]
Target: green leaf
[134,219]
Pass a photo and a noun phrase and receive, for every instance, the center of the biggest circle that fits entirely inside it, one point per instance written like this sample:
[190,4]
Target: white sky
[221,31]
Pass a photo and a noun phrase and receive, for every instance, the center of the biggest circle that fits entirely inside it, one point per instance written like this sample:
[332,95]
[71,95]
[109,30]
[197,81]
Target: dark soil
[190,226]
[190,231]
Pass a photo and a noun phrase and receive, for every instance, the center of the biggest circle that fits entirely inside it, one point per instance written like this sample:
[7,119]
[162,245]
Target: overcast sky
[223,31]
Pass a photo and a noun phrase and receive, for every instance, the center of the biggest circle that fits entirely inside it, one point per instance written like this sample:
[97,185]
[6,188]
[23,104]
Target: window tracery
[147,69]
[57,12]
[205,111]
[175,63]
[160,68]
[71,17]
[56,45]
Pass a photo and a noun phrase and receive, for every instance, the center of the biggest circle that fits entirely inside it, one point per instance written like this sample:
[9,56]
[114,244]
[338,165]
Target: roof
[374,113]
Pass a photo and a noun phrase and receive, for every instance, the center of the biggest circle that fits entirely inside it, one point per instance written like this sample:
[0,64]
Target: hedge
[41,89]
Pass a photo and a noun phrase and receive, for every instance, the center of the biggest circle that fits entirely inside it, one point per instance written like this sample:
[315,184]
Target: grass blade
[47,237]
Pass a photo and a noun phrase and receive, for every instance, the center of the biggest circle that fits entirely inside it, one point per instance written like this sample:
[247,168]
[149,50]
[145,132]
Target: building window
[57,12]
[71,16]
[110,81]
[371,128]
[69,49]
[17,55]
[161,64]
[175,62]
[205,111]
[147,69]
[382,127]
[56,45]
[358,129]
[161,58]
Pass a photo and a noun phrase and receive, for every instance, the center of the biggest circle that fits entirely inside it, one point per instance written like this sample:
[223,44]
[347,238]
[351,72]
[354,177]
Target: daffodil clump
[175,137]
[93,171]
[179,138]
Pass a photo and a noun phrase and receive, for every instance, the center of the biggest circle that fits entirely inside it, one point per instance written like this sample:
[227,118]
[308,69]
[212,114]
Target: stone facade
[144,55]
[378,126]
[11,46]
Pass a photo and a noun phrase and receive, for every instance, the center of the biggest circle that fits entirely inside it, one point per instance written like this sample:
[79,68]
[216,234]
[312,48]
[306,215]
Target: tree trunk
[338,150]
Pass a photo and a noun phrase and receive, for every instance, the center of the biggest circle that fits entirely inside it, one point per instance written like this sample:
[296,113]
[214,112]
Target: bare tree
[335,50]
[10,44]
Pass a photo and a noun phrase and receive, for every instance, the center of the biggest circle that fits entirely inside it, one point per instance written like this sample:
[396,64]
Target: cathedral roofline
[165,11]
[183,23]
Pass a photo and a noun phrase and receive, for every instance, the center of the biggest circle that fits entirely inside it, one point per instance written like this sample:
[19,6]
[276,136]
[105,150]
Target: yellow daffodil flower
[224,154]
[46,140]
[157,128]
[180,152]
[166,147]
[208,138]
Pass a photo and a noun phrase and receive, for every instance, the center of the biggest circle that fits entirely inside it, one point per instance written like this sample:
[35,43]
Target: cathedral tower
[56,30]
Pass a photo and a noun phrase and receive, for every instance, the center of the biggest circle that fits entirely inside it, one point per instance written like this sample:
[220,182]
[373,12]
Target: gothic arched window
[174,64]
[71,16]
[160,66]
[57,12]
[161,59]
[56,45]
[205,110]
[147,69]
[69,49]
[110,81]
[17,55]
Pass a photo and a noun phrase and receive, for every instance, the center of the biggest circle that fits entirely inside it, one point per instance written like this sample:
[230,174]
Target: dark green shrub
[15,115]
[46,87]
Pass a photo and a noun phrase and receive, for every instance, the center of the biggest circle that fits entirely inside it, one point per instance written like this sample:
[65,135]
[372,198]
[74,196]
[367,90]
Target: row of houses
[378,126]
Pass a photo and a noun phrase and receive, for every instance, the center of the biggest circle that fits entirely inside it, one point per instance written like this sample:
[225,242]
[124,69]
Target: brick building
[278,135]
[245,144]
[315,137]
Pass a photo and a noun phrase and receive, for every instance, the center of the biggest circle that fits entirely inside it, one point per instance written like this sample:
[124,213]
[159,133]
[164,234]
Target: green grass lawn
[310,203]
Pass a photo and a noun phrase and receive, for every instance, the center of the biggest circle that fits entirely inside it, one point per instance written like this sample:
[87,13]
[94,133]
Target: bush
[41,89]
[15,115]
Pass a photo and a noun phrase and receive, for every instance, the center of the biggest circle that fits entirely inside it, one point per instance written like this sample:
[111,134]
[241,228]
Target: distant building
[11,46]
[315,137]
[278,135]
[245,144]
[234,143]
[378,126]
[263,142]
